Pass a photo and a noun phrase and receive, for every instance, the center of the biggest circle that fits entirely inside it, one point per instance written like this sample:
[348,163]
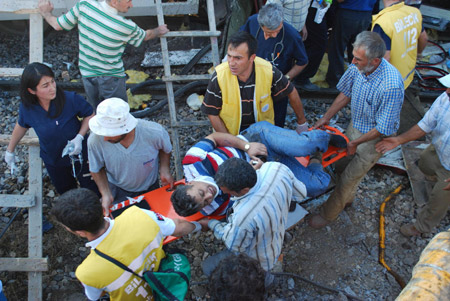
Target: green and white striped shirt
[103,35]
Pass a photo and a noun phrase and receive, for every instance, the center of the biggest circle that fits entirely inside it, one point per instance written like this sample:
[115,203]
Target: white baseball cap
[445,80]
[113,118]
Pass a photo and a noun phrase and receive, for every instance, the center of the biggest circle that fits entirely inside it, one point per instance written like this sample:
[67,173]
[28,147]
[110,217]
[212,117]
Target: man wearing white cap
[434,160]
[124,153]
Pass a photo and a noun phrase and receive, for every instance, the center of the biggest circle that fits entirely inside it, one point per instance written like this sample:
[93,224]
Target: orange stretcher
[159,199]
[332,154]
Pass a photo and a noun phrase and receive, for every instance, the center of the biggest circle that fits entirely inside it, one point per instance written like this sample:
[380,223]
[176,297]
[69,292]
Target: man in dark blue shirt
[280,44]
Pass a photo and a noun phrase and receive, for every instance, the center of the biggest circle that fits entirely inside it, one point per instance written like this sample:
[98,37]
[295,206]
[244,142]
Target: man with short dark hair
[375,89]
[243,90]
[134,239]
[280,44]
[255,224]
[237,278]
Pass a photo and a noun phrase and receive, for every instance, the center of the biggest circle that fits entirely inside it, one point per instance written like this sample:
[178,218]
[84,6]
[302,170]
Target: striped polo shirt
[103,35]
[203,159]
[256,223]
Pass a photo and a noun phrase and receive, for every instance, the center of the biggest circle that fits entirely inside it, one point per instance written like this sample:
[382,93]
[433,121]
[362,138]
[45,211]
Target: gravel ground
[343,255]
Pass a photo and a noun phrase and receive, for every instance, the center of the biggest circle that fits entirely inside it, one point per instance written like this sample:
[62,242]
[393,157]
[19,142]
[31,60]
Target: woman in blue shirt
[54,115]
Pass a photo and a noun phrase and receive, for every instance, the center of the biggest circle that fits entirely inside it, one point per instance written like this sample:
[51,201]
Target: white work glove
[10,159]
[302,127]
[77,145]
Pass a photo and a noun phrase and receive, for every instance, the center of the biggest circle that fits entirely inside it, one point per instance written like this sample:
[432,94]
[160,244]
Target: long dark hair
[31,76]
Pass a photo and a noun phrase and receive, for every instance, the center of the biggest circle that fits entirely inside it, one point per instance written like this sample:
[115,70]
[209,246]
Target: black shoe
[292,206]
[308,86]
[337,141]
[316,156]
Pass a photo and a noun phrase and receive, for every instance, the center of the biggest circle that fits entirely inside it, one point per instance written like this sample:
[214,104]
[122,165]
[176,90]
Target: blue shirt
[54,133]
[437,121]
[360,5]
[279,51]
[376,99]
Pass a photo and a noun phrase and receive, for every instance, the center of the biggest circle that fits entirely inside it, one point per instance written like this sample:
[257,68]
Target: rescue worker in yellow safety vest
[242,90]
[135,239]
[401,28]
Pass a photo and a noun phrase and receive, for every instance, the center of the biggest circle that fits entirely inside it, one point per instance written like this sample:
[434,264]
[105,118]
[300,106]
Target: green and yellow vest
[136,241]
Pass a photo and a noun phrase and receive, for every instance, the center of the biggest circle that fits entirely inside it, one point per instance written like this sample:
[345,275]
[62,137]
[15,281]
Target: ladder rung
[17,200]
[24,264]
[191,33]
[11,72]
[176,78]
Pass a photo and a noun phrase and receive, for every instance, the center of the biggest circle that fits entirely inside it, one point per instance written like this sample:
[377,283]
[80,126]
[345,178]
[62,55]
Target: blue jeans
[283,145]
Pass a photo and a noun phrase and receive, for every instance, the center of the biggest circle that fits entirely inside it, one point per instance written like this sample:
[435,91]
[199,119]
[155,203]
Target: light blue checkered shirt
[437,121]
[376,99]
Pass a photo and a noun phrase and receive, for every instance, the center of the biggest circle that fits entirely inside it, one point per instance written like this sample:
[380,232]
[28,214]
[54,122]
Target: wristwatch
[246,147]
[288,77]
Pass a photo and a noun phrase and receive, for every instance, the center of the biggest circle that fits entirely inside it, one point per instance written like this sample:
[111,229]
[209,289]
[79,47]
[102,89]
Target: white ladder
[168,78]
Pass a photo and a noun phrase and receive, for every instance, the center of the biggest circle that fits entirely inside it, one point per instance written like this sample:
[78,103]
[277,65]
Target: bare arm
[226,139]
[295,71]
[370,135]
[164,169]
[85,125]
[101,180]
[182,227]
[46,8]
[340,102]
[422,43]
[387,144]
[304,33]
[217,123]
[16,136]
[156,32]
[297,106]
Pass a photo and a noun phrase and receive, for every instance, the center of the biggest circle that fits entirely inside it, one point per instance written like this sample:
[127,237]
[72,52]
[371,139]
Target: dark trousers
[63,180]
[280,109]
[348,24]
[315,44]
